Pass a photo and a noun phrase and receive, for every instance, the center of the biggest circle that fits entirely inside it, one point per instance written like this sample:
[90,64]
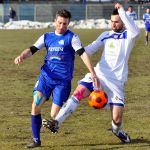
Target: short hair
[63,13]
[130,6]
[115,12]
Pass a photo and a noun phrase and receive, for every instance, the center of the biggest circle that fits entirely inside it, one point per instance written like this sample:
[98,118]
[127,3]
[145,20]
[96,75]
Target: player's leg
[117,113]
[40,95]
[117,108]
[54,110]
[115,92]
[60,94]
[70,106]
[82,91]
[36,120]
[146,37]
[51,124]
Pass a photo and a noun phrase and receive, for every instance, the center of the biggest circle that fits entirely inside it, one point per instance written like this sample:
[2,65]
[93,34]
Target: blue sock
[36,123]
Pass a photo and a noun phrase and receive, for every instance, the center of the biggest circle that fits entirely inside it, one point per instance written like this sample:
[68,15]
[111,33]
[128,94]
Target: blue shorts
[147,28]
[59,89]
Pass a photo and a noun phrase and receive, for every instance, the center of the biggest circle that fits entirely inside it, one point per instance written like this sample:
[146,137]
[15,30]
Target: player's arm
[129,23]
[96,45]
[80,51]
[25,54]
[85,58]
[30,51]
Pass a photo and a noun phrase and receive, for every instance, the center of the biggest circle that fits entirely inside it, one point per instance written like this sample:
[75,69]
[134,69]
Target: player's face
[148,10]
[116,23]
[130,9]
[61,24]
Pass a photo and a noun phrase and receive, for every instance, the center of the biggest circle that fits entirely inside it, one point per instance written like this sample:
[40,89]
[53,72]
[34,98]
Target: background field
[87,128]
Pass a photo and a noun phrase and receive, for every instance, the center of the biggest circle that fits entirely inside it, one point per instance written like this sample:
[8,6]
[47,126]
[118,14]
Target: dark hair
[115,12]
[130,6]
[63,13]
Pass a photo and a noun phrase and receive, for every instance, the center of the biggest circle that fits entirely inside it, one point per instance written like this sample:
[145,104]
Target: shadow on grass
[113,146]
[140,140]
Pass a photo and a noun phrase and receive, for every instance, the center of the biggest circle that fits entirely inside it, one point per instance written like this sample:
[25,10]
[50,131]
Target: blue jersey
[146,18]
[58,67]
[59,61]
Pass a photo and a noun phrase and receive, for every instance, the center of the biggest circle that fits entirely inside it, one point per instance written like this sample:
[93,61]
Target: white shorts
[113,88]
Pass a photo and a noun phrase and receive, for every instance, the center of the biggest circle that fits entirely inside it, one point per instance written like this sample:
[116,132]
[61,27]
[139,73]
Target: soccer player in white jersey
[57,70]
[131,13]
[146,18]
[112,70]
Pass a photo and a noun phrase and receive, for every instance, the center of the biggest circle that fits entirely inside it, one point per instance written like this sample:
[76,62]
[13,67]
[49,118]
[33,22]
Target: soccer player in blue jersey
[146,18]
[57,70]
[112,71]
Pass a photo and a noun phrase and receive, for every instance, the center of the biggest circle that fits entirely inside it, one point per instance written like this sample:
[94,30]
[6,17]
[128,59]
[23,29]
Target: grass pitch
[87,128]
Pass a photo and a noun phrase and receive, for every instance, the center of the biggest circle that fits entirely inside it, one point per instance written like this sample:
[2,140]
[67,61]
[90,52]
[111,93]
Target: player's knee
[38,98]
[80,93]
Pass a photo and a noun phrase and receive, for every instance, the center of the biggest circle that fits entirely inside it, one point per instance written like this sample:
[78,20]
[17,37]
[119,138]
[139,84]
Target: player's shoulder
[48,33]
[105,33]
[70,32]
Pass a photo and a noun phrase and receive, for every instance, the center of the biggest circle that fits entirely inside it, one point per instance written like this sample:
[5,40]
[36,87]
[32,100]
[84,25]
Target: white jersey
[117,47]
[132,15]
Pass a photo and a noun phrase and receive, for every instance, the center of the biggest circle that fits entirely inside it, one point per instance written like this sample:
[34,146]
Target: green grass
[87,128]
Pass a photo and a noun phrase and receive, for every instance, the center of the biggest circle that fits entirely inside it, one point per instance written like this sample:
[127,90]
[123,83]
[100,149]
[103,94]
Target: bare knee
[38,101]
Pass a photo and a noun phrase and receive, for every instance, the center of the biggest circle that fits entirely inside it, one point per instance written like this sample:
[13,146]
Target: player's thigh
[43,86]
[114,91]
[61,93]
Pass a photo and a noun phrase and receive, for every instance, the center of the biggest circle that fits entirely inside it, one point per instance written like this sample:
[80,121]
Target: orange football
[98,99]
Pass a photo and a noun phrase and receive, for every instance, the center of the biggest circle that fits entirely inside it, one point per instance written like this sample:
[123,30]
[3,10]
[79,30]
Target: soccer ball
[98,99]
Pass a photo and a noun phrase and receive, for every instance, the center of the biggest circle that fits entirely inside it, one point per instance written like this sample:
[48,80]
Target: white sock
[115,128]
[69,107]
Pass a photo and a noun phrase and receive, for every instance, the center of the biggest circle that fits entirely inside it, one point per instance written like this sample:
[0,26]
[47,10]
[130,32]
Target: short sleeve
[40,42]
[76,43]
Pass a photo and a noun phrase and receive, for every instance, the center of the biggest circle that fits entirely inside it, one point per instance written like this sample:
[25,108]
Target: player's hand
[18,60]
[118,6]
[96,82]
